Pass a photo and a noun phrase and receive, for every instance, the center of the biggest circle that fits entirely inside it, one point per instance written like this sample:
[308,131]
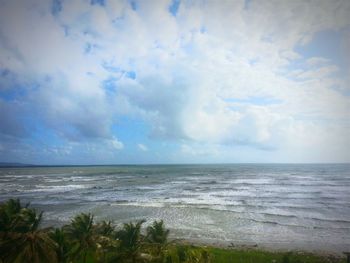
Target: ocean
[275,206]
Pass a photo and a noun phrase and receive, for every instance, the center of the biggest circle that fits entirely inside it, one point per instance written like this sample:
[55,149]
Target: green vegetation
[83,241]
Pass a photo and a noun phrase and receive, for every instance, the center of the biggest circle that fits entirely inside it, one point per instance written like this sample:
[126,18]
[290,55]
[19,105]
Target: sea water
[286,206]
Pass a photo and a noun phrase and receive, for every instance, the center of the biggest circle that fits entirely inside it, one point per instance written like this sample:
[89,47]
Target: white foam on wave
[56,188]
[84,179]
[140,204]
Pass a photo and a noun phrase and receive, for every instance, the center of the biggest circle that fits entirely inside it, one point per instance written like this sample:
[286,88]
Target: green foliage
[81,235]
[157,234]
[252,255]
[106,243]
[285,258]
[130,240]
[62,244]
[21,240]
[186,254]
[9,215]
[104,228]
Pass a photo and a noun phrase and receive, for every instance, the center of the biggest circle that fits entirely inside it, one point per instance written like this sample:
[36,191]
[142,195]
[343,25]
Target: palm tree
[105,241]
[104,228]
[80,233]
[130,240]
[9,215]
[62,248]
[21,240]
[157,235]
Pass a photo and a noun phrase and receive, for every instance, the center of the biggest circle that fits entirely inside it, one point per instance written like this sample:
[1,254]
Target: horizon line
[26,165]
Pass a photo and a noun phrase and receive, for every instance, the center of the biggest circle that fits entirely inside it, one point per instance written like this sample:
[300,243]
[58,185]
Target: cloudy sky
[178,81]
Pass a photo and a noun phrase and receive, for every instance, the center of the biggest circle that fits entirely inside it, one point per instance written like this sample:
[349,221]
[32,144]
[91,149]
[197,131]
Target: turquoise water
[273,205]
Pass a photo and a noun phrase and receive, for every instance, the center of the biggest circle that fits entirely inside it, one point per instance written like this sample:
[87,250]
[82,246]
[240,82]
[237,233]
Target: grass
[220,255]
[234,255]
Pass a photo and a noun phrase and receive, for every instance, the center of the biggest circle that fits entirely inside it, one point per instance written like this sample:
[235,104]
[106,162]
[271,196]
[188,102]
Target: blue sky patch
[174,7]
[133,5]
[130,74]
[324,44]
[56,7]
[98,2]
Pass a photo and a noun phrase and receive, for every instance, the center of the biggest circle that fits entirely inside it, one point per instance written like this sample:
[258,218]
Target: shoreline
[270,247]
[133,240]
[273,247]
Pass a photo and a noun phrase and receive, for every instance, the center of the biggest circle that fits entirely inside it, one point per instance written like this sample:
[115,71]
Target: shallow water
[301,206]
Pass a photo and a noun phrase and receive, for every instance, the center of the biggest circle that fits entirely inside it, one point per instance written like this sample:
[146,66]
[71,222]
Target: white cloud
[142,147]
[116,144]
[192,72]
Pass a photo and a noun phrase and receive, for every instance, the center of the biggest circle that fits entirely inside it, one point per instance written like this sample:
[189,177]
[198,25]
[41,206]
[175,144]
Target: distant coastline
[18,165]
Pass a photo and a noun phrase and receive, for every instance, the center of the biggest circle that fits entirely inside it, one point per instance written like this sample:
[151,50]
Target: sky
[178,81]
